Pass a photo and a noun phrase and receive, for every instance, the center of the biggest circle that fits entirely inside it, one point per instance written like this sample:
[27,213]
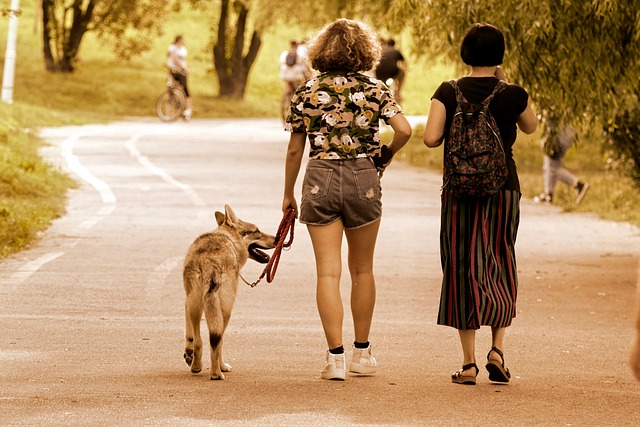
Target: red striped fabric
[477,250]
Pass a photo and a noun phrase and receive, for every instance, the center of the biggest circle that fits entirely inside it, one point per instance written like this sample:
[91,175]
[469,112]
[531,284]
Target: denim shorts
[347,189]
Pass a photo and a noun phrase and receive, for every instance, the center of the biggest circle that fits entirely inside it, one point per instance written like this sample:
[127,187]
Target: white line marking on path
[144,161]
[160,273]
[108,198]
[31,267]
[72,161]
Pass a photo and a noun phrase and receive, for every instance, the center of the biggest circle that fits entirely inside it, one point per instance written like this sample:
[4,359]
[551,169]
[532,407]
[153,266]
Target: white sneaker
[363,362]
[335,369]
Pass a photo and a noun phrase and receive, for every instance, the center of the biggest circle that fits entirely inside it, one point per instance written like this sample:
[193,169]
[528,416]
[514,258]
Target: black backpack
[474,161]
[291,59]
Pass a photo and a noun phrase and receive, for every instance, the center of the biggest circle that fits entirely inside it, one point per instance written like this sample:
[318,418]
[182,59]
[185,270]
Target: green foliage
[579,60]
[623,140]
[575,57]
[31,191]
[128,26]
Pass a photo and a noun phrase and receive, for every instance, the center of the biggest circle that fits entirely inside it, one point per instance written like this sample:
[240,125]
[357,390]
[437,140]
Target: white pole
[10,55]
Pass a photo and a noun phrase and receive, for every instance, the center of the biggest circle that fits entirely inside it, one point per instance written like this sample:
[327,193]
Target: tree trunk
[79,25]
[49,60]
[219,57]
[233,71]
[65,59]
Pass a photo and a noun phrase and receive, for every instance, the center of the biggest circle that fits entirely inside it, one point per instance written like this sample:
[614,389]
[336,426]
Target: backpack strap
[499,88]
[459,96]
[460,99]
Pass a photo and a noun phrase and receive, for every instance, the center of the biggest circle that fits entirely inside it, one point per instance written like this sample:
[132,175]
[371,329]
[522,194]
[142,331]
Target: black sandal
[497,372]
[458,378]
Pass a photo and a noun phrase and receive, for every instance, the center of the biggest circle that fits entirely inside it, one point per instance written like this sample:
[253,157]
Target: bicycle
[171,103]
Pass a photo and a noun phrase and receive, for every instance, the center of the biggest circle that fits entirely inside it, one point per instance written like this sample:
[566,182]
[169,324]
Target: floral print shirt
[340,113]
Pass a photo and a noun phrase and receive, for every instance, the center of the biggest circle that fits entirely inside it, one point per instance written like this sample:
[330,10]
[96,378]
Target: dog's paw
[196,367]
[188,356]
[217,377]
[225,367]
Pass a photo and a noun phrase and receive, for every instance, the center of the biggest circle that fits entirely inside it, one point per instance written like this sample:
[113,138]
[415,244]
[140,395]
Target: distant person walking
[555,145]
[292,66]
[293,69]
[303,53]
[339,113]
[478,234]
[392,65]
[177,63]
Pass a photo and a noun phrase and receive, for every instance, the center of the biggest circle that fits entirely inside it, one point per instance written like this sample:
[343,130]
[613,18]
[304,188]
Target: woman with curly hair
[338,112]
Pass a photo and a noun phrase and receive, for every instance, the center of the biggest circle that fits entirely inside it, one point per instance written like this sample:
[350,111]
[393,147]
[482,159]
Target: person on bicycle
[177,63]
[292,68]
[389,68]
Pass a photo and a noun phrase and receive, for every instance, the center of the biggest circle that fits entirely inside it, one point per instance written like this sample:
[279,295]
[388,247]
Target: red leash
[286,227]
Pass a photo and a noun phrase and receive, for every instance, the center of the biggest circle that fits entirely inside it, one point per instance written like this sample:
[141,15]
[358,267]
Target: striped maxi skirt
[477,250]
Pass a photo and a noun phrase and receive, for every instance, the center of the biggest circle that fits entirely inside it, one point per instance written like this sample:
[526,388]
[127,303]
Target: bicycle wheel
[171,105]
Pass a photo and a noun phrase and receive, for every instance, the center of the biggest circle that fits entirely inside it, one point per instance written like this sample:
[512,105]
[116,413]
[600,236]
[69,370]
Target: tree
[231,62]
[580,60]
[130,23]
[241,23]
[577,58]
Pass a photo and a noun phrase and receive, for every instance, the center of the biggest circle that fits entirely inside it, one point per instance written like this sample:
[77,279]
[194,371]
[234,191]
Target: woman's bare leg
[468,341]
[327,244]
[362,242]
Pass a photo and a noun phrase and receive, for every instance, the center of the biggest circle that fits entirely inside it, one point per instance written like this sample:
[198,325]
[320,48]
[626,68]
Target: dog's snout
[272,242]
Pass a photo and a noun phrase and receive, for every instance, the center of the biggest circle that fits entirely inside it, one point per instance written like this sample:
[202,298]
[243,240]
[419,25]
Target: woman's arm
[434,130]
[295,151]
[401,132]
[528,122]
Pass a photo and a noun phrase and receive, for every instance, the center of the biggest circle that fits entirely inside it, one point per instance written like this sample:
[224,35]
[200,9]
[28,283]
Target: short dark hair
[482,46]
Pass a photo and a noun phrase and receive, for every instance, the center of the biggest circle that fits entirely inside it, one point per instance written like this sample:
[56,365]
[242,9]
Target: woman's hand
[290,202]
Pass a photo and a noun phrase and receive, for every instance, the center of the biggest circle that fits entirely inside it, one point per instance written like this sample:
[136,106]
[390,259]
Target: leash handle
[286,226]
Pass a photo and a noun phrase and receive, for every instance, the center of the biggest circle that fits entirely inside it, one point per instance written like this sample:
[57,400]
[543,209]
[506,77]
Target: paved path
[91,321]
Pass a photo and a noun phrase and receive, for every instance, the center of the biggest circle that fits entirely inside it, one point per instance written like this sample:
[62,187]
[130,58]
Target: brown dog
[211,271]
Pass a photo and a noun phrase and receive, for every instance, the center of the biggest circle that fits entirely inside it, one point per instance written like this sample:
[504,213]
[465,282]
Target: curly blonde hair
[345,45]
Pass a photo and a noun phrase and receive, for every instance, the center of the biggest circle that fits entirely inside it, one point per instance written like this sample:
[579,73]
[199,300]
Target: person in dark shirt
[478,234]
[392,65]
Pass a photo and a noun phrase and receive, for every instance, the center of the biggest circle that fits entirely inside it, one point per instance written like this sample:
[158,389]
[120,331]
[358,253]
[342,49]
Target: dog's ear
[219,218]
[230,216]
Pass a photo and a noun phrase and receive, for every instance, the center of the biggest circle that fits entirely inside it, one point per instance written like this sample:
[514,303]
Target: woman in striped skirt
[478,234]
